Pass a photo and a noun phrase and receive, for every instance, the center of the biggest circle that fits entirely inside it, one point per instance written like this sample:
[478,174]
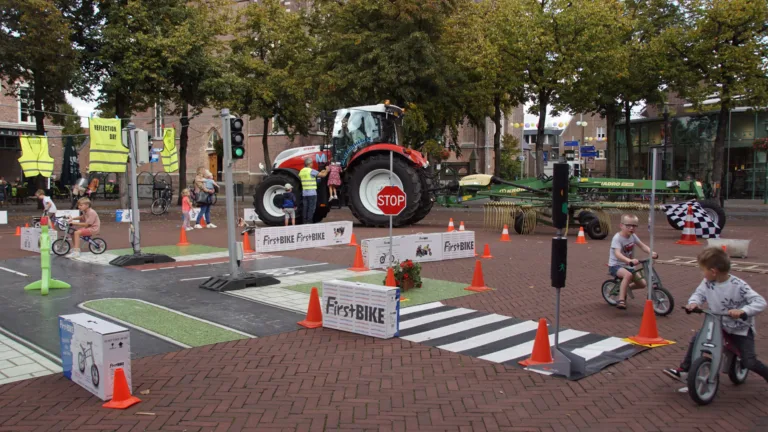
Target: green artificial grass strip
[432,290]
[178,327]
[172,251]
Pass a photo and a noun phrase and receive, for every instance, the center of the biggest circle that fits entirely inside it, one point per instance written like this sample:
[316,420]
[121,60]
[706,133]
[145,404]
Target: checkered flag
[705,226]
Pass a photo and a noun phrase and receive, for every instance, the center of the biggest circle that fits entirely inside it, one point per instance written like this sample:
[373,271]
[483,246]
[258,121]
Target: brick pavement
[327,380]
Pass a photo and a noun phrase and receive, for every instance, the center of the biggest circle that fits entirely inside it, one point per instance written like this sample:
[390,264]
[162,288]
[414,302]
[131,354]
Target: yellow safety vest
[34,158]
[307,181]
[108,154]
[169,153]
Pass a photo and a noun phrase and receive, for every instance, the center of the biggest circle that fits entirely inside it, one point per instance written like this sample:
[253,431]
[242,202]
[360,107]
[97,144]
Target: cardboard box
[91,349]
[30,238]
[366,309]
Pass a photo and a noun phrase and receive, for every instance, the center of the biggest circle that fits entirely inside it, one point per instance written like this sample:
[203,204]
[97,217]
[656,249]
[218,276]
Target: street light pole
[666,140]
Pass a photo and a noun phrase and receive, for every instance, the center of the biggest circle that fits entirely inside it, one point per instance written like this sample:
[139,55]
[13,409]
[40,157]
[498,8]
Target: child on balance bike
[621,254]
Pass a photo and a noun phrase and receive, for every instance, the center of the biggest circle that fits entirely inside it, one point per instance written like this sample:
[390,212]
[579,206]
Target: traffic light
[238,139]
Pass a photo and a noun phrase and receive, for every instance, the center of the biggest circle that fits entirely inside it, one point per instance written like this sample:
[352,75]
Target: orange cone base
[530,362]
[131,401]
[358,269]
[640,340]
[478,289]
[310,324]
[688,242]
[182,244]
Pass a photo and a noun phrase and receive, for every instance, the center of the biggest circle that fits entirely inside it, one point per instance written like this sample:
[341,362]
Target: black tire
[61,247]
[320,213]
[585,217]
[426,198]
[736,372]
[594,230]
[81,362]
[95,379]
[159,206]
[412,186]
[714,211]
[100,248]
[607,291]
[700,366]
[277,181]
[663,302]
[518,225]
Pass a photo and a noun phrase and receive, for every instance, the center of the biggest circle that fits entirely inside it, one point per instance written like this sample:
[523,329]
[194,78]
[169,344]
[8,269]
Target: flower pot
[406,285]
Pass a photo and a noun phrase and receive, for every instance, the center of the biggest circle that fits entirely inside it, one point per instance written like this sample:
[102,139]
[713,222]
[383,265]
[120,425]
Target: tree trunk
[497,137]
[122,178]
[39,180]
[543,102]
[719,150]
[611,159]
[183,141]
[628,139]
[265,146]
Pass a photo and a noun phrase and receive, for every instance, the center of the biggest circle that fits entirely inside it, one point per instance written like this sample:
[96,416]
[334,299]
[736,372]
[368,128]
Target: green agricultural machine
[523,204]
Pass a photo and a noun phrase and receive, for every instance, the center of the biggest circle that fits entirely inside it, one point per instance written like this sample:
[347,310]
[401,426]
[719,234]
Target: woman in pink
[334,179]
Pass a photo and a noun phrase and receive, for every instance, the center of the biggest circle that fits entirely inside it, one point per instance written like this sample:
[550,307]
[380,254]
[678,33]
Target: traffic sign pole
[391,159]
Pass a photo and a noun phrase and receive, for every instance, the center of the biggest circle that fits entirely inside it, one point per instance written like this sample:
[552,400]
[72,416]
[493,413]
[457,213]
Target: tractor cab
[360,127]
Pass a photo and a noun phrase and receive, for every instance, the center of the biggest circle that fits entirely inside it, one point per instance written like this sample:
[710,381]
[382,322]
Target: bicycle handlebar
[743,315]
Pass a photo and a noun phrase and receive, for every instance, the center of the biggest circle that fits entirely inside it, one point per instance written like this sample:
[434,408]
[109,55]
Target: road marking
[434,317]
[34,347]
[524,349]
[14,271]
[419,308]
[454,328]
[265,271]
[487,338]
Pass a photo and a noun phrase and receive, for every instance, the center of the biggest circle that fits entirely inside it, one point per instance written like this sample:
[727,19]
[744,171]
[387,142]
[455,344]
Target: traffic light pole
[230,193]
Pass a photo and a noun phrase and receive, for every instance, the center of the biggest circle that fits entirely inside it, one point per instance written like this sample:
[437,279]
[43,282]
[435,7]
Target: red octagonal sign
[391,200]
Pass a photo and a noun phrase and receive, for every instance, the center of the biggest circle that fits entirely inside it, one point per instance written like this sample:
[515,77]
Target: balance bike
[663,302]
[713,353]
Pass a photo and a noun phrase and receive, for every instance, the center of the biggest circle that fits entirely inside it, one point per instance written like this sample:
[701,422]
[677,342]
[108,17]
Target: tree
[509,166]
[267,73]
[70,122]
[719,49]
[494,84]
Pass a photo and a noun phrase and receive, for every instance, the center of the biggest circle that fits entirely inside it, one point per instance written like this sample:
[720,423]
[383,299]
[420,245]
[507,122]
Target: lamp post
[666,140]
[583,125]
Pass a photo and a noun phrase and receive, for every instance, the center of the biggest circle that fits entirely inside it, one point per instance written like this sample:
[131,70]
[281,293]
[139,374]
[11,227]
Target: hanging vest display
[170,153]
[307,181]
[34,158]
[108,154]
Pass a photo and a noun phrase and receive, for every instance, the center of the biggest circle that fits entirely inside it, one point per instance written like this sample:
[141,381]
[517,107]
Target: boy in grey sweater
[726,294]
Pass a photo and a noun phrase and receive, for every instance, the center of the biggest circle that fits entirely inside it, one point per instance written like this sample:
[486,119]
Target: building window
[600,154]
[212,139]
[601,133]
[275,127]
[26,106]
[158,121]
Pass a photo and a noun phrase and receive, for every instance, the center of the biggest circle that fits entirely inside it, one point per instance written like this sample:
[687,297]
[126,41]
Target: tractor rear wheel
[268,198]
[426,198]
[369,176]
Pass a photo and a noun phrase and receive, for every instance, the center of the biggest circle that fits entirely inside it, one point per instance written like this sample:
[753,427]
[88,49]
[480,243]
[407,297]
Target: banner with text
[303,236]
[367,309]
[418,248]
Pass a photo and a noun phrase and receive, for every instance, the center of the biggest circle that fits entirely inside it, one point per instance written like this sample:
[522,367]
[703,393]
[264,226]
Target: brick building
[593,134]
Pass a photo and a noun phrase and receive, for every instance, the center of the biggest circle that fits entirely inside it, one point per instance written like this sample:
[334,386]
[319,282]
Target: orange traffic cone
[26,225]
[542,352]
[581,239]
[474,249]
[461,226]
[183,237]
[649,334]
[487,252]
[18,231]
[202,222]
[353,240]
[725,248]
[450,225]
[391,282]
[505,234]
[689,230]
[358,265]
[247,244]
[121,395]
[478,282]
[314,314]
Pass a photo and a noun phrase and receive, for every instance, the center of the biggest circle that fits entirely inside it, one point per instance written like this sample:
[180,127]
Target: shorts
[614,269]
[290,213]
[85,232]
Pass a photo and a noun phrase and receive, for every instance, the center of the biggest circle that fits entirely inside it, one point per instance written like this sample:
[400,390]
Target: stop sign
[391,200]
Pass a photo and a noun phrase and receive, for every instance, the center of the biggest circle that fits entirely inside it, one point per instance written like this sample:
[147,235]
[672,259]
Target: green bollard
[46,282]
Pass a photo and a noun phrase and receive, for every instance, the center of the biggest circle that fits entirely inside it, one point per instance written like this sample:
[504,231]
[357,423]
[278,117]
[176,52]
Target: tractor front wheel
[268,198]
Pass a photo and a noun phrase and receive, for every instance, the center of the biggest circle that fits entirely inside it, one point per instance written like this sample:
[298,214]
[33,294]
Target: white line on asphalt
[145,270]
[256,271]
[14,271]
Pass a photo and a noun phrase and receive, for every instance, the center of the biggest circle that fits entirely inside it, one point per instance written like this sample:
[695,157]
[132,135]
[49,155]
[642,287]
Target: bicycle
[163,201]
[82,358]
[58,222]
[62,246]
[713,353]
[663,302]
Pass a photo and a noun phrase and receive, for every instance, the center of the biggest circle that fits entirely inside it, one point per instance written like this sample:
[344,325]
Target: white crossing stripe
[525,349]
[434,317]
[455,328]
[490,337]
[598,348]
[419,308]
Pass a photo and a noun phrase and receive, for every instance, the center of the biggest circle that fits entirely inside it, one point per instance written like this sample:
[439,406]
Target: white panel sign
[193,213]
[303,236]
[30,238]
[419,248]
[3,217]
[123,215]
[366,309]
[458,245]
[376,250]
[249,215]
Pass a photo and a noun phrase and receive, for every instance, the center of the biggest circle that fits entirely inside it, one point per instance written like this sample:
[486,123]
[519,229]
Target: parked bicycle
[663,303]
[163,200]
[62,246]
[82,358]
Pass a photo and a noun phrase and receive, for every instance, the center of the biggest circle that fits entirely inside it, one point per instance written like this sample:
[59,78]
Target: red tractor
[361,142]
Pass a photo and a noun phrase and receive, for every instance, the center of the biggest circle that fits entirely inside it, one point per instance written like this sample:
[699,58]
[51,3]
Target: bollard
[46,282]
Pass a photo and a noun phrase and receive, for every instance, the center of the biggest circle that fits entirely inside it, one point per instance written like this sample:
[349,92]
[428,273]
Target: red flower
[405,276]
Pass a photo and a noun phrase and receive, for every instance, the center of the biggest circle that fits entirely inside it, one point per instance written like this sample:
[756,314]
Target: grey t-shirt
[625,245]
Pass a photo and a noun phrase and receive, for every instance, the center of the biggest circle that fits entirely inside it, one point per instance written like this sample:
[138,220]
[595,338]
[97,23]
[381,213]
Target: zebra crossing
[282,272]
[502,339]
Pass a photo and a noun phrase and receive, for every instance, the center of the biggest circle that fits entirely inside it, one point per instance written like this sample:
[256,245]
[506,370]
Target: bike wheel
[159,207]
[95,375]
[81,362]
[700,390]
[610,291]
[97,246]
[61,247]
[736,372]
[663,303]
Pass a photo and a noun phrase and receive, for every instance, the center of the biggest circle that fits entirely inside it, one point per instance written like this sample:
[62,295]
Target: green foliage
[70,122]
[509,167]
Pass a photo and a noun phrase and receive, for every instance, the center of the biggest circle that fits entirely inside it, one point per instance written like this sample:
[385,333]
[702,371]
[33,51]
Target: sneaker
[198,226]
[677,373]
[189,228]
[211,226]
[75,253]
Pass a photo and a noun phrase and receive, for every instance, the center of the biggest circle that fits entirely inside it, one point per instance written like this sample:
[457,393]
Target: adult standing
[308,177]
[203,198]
